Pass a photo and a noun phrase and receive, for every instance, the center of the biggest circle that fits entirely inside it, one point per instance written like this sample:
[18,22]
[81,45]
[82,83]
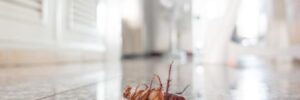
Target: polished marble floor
[249,79]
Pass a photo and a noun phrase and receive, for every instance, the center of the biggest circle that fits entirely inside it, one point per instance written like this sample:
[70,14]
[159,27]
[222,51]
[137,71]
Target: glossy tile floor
[253,79]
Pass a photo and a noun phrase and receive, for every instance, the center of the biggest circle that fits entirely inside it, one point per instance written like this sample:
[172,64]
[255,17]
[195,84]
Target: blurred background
[93,49]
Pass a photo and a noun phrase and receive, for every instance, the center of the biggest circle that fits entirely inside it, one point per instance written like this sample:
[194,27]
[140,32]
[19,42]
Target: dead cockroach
[149,93]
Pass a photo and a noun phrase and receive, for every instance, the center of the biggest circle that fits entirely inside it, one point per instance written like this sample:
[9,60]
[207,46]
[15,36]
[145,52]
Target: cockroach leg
[151,82]
[158,78]
[160,83]
[137,87]
[127,92]
[186,87]
[146,86]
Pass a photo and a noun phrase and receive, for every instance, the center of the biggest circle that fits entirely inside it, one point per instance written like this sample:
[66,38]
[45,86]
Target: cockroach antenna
[169,79]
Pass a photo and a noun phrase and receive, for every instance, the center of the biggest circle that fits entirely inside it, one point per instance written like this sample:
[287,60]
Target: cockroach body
[150,93]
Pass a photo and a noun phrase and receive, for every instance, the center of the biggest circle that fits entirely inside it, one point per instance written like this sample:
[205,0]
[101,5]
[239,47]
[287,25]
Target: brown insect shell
[156,94]
[136,95]
[144,95]
[175,97]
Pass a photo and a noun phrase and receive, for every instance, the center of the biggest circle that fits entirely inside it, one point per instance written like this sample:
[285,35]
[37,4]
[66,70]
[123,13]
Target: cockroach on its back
[149,93]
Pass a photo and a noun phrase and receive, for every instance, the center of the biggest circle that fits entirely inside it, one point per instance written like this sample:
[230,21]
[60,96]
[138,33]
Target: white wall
[57,31]
[216,24]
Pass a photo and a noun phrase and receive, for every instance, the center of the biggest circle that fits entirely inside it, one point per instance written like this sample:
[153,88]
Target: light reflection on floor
[253,79]
[251,85]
